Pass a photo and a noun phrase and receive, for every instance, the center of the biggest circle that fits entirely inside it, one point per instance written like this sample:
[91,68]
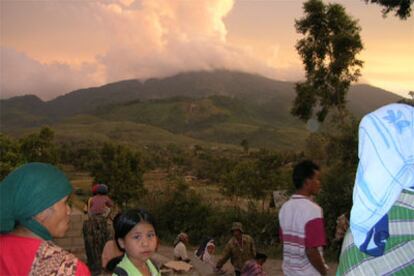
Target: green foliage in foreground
[36,147]
[336,148]
[179,209]
[244,176]
[120,168]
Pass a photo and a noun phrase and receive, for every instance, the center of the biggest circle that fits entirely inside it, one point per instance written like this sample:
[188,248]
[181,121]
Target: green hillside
[89,128]
[216,119]
[189,108]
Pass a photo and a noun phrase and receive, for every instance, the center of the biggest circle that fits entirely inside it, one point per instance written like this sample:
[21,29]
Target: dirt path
[272,266]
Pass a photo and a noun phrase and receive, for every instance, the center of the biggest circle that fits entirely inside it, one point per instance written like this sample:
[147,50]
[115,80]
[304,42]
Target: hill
[214,107]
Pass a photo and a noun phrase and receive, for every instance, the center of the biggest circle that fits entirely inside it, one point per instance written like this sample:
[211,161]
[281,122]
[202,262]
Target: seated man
[180,249]
[381,240]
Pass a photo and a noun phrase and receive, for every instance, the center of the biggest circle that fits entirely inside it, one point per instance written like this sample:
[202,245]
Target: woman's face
[210,249]
[184,238]
[140,243]
[56,218]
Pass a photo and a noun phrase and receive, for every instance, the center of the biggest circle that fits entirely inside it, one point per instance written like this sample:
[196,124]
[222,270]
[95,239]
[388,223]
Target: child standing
[136,236]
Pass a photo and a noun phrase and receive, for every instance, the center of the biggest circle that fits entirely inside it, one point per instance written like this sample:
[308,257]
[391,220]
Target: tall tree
[245,145]
[402,8]
[121,169]
[10,156]
[39,147]
[328,52]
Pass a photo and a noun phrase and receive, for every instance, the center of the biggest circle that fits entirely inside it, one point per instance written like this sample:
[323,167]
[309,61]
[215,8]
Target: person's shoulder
[57,258]
[247,237]
[82,269]
[231,241]
[15,238]
[13,241]
[152,265]
[304,203]
[50,249]
[287,205]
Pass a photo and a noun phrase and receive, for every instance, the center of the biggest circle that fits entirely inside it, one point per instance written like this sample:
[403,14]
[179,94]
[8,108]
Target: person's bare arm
[226,255]
[315,259]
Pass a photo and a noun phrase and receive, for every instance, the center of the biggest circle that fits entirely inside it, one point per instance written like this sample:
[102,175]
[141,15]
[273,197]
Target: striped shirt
[301,226]
[398,257]
[252,268]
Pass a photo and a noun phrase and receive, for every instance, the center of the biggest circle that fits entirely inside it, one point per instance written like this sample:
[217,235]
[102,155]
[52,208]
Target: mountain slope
[218,106]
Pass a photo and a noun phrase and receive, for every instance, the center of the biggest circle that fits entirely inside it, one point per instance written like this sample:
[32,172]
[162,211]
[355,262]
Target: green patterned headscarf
[27,191]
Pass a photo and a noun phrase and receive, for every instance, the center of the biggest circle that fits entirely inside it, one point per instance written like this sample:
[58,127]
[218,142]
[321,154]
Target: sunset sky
[50,48]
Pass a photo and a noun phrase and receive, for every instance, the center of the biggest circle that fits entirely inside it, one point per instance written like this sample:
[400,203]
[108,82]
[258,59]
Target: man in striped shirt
[302,225]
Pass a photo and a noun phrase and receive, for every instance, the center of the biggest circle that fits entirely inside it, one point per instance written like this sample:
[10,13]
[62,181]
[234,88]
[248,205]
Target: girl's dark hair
[110,266]
[125,221]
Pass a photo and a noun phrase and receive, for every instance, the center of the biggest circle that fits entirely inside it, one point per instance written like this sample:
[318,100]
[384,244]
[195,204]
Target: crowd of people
[378,235]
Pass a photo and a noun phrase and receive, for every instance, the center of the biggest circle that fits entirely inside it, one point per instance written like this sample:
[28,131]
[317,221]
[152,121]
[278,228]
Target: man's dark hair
[302,171]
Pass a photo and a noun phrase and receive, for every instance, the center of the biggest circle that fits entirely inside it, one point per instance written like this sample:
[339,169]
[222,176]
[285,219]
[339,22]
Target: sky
[51,47]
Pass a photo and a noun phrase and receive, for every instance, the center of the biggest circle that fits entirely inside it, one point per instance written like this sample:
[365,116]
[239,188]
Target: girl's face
[140,243]
[210,249]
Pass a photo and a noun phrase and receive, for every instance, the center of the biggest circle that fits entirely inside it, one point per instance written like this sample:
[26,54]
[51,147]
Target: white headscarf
[386,167]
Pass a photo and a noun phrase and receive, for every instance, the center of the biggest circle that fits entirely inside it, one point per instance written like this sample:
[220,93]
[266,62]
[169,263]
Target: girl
[206,254]
[135,235]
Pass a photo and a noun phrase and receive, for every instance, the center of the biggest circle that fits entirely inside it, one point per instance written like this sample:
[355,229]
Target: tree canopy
[120,168]
[402,8]
[328,52]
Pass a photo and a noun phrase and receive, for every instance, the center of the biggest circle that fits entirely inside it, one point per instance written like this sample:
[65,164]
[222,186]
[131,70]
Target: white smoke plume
[143,39]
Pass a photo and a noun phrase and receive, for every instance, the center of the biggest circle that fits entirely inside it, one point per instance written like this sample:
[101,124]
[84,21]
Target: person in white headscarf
[381,240]
[206,254]
[180,249]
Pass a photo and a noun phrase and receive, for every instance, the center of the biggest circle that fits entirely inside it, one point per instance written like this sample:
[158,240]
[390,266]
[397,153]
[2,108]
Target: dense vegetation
[211,108]
[221,142]
[244,178]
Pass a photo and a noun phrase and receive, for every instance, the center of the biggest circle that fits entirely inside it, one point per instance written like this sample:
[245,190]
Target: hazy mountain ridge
[218,106]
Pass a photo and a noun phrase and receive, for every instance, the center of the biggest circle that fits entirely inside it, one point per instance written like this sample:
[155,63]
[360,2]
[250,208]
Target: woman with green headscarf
[33,210]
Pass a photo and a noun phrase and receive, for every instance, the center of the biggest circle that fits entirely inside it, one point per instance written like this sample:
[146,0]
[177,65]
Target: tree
[242,180]
[245,145]
[10,156]
[338,171]
[328,52]
[121,169]
[39,147]
[402,8]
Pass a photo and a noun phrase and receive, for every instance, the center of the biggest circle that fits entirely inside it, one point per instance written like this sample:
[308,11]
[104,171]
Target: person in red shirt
[95,230]
[100,203]
[33,210]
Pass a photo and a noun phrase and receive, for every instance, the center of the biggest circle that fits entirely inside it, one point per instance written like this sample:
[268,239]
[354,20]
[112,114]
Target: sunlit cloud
[22,75]
[52,47]
[143,39]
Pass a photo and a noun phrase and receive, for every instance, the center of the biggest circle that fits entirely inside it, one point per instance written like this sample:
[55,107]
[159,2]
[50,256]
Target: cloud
[23,75]
[143,39]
